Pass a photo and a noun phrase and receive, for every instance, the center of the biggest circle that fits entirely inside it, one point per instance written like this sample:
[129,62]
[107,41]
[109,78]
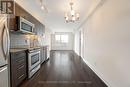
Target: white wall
[58,46]
[107,42]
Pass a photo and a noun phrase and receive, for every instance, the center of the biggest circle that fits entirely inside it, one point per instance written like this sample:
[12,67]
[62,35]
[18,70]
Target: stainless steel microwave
[24,25]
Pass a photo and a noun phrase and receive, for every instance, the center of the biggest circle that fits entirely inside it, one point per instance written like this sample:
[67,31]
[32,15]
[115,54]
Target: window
[64,38]
[61,38]
[57,37]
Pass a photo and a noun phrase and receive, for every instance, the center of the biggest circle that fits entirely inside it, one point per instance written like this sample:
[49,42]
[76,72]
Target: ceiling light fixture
[72,16]
[43,6]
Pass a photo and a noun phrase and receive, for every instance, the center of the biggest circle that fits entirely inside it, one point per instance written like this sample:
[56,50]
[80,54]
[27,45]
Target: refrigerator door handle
[4,54]
[8,40]
[5,49]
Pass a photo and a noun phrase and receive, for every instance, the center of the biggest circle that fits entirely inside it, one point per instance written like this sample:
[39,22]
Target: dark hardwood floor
[64,69]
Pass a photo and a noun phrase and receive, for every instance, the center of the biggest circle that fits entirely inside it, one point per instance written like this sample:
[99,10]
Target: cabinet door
[45,52]
[12,23]
[42,55]
[17,10]
[39,29]
[18,67]
[4,77]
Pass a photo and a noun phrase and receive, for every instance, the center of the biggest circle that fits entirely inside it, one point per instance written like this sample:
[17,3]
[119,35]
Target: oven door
[34,59]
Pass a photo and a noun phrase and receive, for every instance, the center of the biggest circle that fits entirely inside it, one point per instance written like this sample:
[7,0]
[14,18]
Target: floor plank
[64,69]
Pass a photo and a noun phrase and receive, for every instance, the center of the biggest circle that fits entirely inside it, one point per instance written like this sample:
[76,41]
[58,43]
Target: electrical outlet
[26,41]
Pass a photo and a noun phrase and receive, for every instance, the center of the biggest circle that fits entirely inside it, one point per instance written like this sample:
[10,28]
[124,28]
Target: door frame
[81,42]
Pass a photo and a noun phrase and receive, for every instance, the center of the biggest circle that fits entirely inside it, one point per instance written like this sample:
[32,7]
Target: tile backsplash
[19,40]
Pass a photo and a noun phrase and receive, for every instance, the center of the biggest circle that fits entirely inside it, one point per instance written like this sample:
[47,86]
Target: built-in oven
[33,62]
[24,25]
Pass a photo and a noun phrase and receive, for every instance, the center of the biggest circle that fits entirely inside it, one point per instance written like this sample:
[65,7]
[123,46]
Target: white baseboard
[96,72]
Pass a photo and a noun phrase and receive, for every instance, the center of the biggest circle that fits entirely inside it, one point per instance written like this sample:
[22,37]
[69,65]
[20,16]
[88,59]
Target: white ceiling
[54,20]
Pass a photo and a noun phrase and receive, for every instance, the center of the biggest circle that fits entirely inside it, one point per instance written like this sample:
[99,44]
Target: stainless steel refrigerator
[4,52]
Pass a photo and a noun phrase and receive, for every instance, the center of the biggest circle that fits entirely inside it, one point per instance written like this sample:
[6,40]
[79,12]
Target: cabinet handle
[21,76]
[21,67]
[20,61]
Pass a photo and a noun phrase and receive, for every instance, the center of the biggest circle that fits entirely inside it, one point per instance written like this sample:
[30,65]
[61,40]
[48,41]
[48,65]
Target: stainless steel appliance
[4,52]
[33,61]
[24,25]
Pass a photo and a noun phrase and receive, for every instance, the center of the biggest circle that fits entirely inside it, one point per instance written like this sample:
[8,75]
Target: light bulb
[66,18]
[42,7]
[72,12]
[73,18]
[77,16]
